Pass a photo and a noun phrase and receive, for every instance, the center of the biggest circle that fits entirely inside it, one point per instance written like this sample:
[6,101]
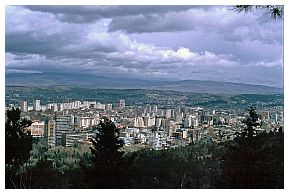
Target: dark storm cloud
[231,25]
[90,13]
[149,23]
[40,33]
[27,43]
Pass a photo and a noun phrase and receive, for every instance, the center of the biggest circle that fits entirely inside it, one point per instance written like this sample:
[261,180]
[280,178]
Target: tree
[276,11]
[253,161]
[108,161]
[106,144]
[18,140]
[252,121]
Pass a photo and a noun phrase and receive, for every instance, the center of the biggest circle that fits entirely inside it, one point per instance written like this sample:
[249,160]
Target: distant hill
[90,81]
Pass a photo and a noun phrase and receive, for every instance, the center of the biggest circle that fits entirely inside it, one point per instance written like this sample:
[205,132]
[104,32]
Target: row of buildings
[149,125]
[58,107]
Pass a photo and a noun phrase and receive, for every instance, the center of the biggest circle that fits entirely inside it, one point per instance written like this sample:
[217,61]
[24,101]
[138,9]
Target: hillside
[90,81]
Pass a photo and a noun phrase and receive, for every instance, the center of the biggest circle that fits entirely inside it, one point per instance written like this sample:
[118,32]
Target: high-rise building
[62,126]
[24,106]
[138,122]
[149,121]
[60,107]
[158,122]
[36,105]
[108,106]
[121,104]
[49,132]
[55,107]
[169,113]
[195,121]
[155,108]
[165,124]
[49,106]
[178,117]
[76,104]
[100,106]
[191,121]
[43,108]
[187,122]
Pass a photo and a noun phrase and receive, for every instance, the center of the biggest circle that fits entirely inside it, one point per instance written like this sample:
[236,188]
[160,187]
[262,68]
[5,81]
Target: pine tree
[260,155]
[252,121]
[107,159]
[106,144]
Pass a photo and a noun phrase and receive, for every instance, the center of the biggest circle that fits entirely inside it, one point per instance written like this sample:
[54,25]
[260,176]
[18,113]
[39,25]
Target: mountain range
[90,81]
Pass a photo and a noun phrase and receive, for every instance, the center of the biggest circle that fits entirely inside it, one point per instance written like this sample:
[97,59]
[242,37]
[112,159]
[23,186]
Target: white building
[49,106]
[158,122]
[155,108]
[24,106]
[36,105]
[37,128]
[100,106]
[121,104]
[108,106]
[138,122]
[55,107]
[169,113]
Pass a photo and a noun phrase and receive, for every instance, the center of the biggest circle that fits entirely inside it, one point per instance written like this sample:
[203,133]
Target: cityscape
[144,97]
[148,125]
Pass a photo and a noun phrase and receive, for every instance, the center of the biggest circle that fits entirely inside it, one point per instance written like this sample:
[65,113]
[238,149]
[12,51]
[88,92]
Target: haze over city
[146,42]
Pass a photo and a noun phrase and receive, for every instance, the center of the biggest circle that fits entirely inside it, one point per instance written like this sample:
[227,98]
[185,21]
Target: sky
[145,42]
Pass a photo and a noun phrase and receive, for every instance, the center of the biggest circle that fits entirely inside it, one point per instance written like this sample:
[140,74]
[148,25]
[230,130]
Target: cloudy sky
[146,42]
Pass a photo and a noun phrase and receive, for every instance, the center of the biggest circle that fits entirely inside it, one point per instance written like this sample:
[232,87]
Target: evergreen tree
[18,140]
[253,161]
[106,144]
[108,161]
[252,121]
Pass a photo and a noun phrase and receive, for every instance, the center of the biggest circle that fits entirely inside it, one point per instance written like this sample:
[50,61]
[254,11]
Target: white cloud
[275,63]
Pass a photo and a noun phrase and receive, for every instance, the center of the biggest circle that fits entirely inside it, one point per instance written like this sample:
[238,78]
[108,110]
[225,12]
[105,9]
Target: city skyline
[146,42]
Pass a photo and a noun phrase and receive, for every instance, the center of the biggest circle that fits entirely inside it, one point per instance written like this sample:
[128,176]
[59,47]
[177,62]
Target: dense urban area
[159,124]
[147,121]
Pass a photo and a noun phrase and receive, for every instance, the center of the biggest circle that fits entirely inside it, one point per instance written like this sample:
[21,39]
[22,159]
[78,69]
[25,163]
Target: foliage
[246,162]
[173,168]
[276,11]
[106,143]
[40,149]
[18,140]
[254,163]
[252,121]
[241,163]
[109,164]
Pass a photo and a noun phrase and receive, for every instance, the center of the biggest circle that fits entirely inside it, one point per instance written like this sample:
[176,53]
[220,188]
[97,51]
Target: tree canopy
[18,140]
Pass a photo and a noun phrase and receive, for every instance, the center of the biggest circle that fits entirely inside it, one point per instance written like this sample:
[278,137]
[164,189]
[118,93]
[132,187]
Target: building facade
[62,126]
